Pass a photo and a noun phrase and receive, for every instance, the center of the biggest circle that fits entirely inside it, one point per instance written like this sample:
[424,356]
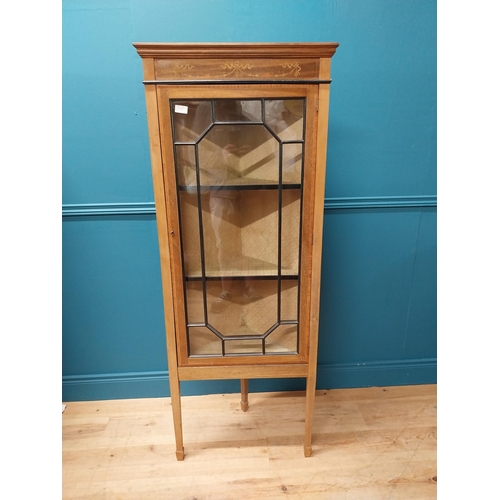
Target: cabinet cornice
[235,50]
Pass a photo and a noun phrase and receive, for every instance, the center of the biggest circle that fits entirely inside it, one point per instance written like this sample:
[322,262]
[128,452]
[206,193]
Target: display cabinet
[238,136]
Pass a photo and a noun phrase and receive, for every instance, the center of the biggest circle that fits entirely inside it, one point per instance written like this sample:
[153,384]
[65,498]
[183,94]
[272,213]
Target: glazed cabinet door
[238,171]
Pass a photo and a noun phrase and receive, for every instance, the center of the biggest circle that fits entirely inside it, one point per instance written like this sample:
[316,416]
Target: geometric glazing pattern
[239,170]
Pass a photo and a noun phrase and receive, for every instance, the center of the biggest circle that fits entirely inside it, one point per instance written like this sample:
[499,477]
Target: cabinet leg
[244,394]
[175,398]
[310,393]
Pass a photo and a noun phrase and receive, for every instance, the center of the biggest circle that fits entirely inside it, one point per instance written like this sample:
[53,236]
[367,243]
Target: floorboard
[373,443]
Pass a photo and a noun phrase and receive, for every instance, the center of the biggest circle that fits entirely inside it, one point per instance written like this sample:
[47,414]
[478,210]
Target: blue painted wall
[378,306]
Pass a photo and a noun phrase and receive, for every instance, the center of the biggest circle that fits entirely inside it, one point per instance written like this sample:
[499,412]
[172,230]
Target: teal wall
[378,306]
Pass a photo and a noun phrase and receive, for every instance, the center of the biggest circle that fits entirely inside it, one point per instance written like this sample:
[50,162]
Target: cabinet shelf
[241,276]
[240,272]
[239,187]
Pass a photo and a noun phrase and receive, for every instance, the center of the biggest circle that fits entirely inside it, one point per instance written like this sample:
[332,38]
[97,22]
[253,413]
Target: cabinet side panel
[319,197]
[172,208]
[159,193]
[307,222]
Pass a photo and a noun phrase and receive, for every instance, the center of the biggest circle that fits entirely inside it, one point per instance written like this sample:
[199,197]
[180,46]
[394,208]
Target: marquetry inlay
[194,69]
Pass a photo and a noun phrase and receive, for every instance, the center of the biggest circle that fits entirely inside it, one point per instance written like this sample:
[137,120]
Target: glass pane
[232,155]
[259,231]
[190,119]
[203,342]
[190,232]
[289,300]
[290,232]
[241,232]
[222,233]
[185,162]
[282,340]
[232,110]
[243,346]
[285,117]
[292,163]
[194,302]
[243,306]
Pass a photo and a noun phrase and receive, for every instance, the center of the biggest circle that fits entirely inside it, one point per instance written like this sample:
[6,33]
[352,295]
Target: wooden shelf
[214,277]
[244,267]
[240,186]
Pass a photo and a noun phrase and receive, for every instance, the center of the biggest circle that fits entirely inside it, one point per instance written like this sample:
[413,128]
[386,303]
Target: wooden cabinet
[238,137]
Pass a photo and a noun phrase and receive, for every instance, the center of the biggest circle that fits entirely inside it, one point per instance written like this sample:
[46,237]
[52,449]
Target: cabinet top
[239,50]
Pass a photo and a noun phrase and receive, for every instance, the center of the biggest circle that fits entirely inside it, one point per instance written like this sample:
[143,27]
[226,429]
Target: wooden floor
[376,443]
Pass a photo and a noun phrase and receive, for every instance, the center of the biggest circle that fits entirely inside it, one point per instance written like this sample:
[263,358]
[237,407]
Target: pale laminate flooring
[374,443]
